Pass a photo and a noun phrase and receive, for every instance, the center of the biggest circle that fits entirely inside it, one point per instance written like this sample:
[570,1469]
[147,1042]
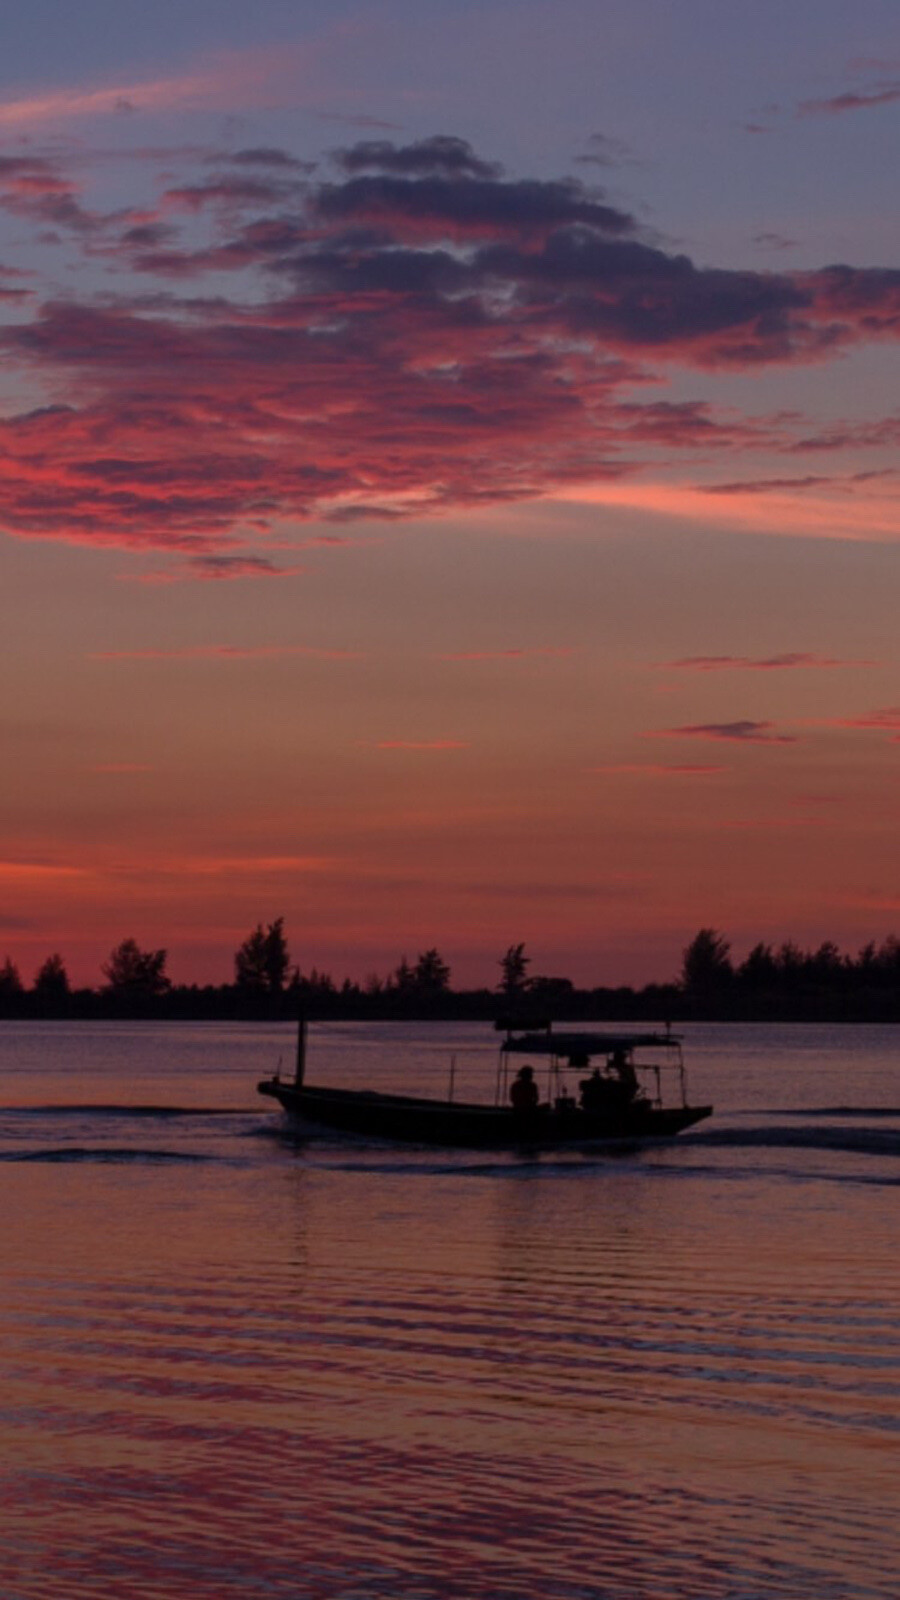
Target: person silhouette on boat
[523,1091]
[594,1092]
[623,1071]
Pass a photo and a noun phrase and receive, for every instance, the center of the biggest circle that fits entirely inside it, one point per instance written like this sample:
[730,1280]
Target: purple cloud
[740,732]
[441,154]
[789,659]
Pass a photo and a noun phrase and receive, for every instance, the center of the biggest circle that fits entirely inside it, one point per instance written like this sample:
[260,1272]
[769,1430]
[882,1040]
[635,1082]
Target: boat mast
[301,1052]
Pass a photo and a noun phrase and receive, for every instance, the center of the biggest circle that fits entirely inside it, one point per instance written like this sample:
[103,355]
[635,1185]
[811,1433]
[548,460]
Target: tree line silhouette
[774,982]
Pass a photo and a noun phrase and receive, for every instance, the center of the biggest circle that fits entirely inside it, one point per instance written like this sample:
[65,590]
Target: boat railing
[657,1068]
[464,1076]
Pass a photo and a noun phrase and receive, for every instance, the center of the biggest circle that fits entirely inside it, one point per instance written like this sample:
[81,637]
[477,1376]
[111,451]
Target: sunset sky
[449,491]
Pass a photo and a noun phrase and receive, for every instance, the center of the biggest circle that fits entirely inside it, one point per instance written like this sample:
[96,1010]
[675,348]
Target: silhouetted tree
[277,958]
[402,978]
[705,963]
[431,975]
[866,965]
[514,971]
[888,960]
[134,973]
[759,970]
[11,985]
[262,961]
[250,960]
[827,965]
[790,962]
[550,993]
[51,981]
[314,982]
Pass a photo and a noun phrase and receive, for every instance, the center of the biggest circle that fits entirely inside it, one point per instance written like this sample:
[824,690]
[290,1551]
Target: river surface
[240,1364]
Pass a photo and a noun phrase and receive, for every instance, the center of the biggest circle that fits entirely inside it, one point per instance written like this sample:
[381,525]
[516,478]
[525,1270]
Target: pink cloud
[60,104]
[250,77]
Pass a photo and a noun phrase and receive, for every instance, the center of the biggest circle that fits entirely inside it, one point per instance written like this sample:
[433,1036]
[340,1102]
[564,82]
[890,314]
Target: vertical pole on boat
[301,1052]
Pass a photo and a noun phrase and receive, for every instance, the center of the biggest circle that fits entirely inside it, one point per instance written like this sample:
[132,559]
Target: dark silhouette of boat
[620,1098]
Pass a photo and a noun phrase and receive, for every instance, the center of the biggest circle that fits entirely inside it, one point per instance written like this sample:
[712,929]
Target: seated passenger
[594,1091]
[523,1091]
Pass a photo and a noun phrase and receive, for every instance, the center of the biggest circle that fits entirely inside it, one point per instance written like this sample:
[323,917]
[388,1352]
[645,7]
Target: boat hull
[411,1120]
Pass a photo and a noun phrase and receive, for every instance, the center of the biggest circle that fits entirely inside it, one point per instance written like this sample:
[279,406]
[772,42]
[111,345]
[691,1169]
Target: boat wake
[109,1110]
[833,1111]
[860,1140]
[106,1155]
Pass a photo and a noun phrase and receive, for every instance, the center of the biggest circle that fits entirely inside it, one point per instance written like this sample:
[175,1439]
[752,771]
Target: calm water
[235,1364]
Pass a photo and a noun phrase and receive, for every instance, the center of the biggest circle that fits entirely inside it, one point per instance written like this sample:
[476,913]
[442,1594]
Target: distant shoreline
[657,1005]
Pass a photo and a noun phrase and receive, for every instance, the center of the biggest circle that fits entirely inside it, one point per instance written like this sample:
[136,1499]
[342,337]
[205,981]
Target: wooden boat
[620,1100]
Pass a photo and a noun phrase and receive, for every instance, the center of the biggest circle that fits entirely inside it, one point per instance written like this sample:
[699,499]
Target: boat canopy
[587,1044]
